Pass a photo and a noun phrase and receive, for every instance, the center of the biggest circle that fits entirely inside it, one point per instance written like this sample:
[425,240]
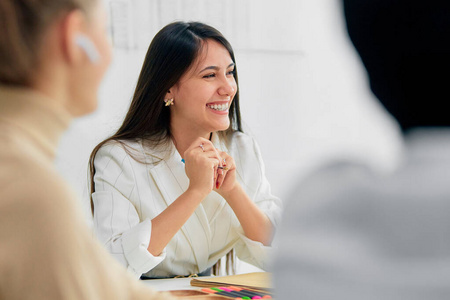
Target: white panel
[120,12]
[247,24]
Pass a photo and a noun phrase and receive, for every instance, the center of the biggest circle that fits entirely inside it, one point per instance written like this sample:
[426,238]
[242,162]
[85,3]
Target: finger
[199,141]
[229,164]
[214,163]
[222,163]
[223,170]
[220,178]
[214,154]
[210,151]
[226,160]
[202,145]
[196,150]
[208,146]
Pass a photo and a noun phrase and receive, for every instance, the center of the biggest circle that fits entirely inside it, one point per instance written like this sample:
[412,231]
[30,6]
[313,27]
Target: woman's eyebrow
[215,67]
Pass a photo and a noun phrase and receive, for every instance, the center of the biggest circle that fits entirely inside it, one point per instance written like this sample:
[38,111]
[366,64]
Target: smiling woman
[179,185]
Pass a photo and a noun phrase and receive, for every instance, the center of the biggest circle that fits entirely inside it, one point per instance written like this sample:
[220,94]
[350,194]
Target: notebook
[255,280]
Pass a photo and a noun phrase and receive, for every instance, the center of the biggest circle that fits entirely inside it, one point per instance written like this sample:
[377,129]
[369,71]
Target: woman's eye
[231,72]
[209,75]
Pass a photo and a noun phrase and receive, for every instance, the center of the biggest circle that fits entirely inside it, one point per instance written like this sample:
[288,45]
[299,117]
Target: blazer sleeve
[117,221]
[258,188]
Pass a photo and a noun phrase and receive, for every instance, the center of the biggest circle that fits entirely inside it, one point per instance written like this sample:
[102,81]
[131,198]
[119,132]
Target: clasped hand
[209,168]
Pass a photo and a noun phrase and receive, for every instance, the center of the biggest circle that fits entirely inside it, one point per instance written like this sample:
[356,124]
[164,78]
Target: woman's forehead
[212,53]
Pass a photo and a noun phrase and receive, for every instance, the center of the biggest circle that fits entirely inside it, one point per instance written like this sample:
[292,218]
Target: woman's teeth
[219,107]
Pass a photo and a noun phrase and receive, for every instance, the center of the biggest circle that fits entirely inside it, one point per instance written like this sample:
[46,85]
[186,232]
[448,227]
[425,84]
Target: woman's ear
[88,47]
[73,27]
[169,94]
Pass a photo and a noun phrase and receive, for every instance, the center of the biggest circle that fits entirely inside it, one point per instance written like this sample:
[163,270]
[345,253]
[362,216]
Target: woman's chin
[222,127]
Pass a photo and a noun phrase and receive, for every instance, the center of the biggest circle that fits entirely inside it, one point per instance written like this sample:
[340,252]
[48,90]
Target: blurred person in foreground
[53,55]
[350,233]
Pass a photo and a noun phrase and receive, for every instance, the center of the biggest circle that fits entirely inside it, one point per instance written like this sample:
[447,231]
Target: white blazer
[130,193]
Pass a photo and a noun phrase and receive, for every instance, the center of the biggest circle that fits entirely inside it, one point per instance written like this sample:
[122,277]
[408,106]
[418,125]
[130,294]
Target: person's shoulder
[116,147]
[36,197]
[40,181]
[133,153]
[120,150]
[331,183]
[341,170]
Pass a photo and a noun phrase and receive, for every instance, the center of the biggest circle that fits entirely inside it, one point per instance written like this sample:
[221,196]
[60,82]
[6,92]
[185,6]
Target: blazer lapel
[172,181]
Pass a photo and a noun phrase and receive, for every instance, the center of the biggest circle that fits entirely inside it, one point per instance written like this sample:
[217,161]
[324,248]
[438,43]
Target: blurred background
[304,93]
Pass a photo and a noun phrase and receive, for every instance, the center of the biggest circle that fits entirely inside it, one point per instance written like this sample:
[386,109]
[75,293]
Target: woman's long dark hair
[171,53]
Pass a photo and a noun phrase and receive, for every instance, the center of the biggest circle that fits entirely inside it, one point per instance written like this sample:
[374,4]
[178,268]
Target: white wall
[303,89]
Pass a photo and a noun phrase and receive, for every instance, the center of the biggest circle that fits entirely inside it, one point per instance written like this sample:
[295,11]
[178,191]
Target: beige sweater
[46,250]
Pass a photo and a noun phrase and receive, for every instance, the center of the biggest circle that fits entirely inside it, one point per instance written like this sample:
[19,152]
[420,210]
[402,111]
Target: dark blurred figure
[350,233]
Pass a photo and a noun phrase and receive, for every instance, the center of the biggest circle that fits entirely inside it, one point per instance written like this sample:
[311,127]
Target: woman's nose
[228,87]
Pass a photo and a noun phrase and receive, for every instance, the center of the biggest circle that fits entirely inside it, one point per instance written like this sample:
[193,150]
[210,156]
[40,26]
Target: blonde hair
[23,25]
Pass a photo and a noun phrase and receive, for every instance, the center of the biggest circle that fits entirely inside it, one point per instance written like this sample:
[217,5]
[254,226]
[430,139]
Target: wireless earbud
[88,46]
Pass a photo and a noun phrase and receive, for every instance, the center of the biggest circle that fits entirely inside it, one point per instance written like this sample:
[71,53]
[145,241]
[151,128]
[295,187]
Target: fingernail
[217,184]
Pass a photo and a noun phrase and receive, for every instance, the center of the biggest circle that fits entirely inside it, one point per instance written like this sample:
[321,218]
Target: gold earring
[168,101]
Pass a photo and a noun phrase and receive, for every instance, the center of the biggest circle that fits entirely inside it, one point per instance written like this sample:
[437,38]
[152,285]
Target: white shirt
[130,193]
